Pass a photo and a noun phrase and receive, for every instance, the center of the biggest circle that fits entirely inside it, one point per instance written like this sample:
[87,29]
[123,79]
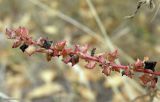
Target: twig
[149,3]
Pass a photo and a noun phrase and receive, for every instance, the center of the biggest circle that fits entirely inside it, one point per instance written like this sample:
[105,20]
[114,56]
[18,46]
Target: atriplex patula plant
[105,60]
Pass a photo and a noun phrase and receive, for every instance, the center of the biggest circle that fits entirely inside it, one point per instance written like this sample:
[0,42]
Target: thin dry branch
[149,3]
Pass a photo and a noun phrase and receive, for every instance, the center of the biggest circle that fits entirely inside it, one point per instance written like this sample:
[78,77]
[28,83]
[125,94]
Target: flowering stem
[105,60]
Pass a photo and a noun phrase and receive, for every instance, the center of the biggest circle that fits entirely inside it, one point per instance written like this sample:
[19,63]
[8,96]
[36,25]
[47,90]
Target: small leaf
[106,71]
[10,33]
[145,78]
[112,56]
[60,45]
[49,56]
[21,31]
[154,82]
[67,59]
[65,52]
[16,43]
[91,64]
[138,64]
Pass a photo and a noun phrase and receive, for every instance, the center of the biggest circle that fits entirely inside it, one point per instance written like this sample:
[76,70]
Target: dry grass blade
[64,17]
[150,94]
[5,98]
[101,26]
[104,32]
[156,12]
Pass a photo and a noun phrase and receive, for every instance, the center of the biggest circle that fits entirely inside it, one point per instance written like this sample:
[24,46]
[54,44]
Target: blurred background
[99,23]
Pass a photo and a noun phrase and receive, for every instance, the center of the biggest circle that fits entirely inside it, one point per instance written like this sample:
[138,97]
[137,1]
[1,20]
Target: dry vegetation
[99,23]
